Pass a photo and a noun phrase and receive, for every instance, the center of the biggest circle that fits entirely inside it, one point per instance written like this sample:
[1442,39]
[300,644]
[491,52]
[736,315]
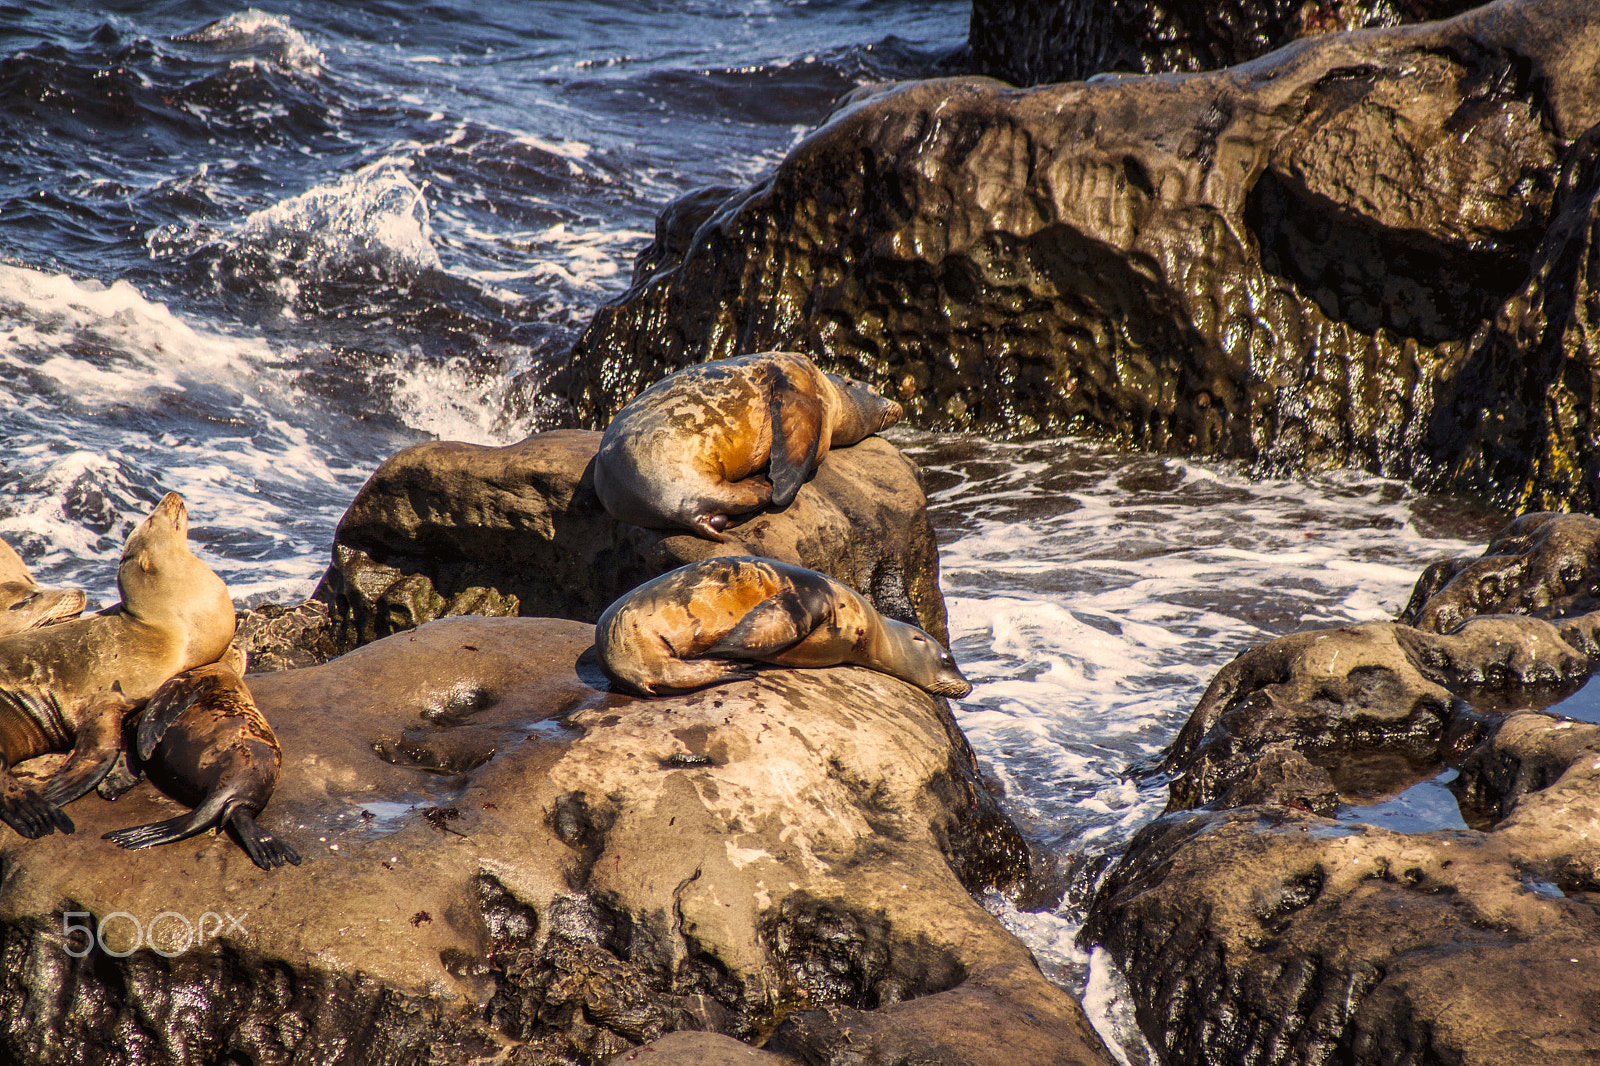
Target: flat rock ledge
[507,863]
[1270,917]
[447,528]
[1367,248]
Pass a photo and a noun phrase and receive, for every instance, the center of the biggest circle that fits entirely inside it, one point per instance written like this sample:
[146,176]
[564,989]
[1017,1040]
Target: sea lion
[202,737]
[25,604]
[708,621]
[688,451]
[68,686]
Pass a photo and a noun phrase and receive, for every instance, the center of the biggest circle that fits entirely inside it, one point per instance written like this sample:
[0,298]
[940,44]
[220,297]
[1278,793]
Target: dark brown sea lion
[688,452]
[202,737]
[68,686]
[707,622]
[24,604]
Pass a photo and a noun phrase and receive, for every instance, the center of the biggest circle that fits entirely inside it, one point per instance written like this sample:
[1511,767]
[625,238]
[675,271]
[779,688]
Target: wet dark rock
[1260,920]
[279,637]
[451,529]
[1267,933]
[1515,421]
[1030,42]
[1328,256]
[1542,564]
[503,860]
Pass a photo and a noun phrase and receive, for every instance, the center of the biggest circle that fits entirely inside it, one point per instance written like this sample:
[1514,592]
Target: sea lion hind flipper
[29,813]
[264,849]
[95,750]
[796,437]
[206,816]
[774,624]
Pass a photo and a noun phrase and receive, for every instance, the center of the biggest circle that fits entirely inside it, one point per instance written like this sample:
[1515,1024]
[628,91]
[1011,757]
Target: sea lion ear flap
[773,625]
[796,435]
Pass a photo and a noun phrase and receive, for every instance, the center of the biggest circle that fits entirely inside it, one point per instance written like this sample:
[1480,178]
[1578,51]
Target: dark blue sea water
[246,254]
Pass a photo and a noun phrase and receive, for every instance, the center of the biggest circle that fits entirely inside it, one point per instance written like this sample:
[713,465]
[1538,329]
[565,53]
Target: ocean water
[246,254]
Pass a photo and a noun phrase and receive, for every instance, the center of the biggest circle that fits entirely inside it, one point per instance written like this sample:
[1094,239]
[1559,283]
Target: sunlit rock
[448,529]
[503,859]
[1299,903]
[1326,256]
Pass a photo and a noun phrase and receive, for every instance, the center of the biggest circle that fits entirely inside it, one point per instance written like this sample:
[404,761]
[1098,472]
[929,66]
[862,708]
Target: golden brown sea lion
[203,738]
[689,450]
[25,604]
[67,686]
[708,621]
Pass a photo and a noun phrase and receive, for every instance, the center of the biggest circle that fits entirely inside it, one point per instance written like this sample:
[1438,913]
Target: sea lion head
[163,582]
[24,605]
[912,655]
[234,660]
[862,411]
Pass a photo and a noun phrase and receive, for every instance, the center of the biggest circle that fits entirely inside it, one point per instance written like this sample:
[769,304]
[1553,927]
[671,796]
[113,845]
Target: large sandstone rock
[1330,255]
[505,863]
[1254,927]
[448,529]
[1034,41]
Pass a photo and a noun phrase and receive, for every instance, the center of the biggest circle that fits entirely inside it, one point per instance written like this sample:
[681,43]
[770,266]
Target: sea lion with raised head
[203,738]
[69,685]
[689,451]
[709,621]
[24,604]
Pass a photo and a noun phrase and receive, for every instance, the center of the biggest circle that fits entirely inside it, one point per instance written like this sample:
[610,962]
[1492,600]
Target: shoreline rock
[504,858]
[1264,916]
[451,529]
[1289,261]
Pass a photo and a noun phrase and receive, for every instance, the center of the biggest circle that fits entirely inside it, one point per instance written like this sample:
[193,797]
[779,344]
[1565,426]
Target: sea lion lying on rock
[68,686]
[709,621]
[688,451]
[202,737]
[24,604]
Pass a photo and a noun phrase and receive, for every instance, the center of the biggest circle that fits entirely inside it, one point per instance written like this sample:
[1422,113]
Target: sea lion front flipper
[796,436]
[121,777]
[164,707]
[264,849]
[774,624]
[98,745]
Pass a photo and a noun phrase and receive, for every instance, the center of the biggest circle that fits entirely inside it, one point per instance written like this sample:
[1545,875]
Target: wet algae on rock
[507,863]
[1326,256]
[1265,919]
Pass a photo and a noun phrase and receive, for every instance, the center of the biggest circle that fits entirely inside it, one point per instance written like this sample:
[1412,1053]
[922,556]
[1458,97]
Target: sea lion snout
[172,510]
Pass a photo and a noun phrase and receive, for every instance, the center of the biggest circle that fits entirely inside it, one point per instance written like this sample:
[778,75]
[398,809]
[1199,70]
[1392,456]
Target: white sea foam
[1093,593]
[254,31]
[376,218]
[108,400]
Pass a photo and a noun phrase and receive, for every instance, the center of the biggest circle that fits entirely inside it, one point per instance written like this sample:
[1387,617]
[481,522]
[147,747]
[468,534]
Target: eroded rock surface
[1263,918]
[1029,42]
[451,529]
[1329,255]
[1269,934]
[503,861]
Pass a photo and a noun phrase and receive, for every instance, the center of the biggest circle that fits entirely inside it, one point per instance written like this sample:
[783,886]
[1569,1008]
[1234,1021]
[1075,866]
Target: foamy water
[1093,593]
